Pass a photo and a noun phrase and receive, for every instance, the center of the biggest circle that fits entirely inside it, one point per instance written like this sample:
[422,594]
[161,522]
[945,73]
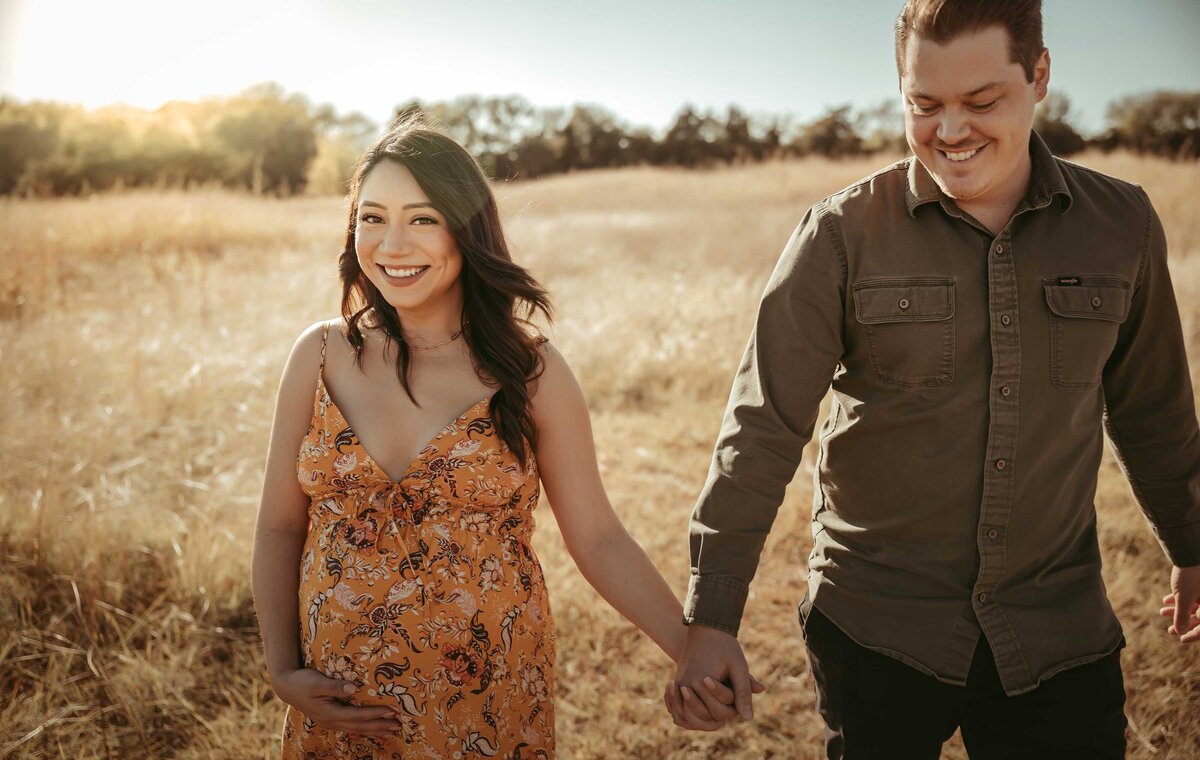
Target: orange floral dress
[426,592]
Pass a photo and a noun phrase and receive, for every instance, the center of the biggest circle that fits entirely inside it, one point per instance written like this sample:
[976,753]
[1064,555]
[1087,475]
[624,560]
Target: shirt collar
[1046,181]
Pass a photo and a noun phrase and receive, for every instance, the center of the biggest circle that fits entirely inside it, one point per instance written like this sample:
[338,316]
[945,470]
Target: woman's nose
[395,240]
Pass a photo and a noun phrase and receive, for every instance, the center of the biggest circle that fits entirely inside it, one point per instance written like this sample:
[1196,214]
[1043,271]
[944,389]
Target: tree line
[266,140]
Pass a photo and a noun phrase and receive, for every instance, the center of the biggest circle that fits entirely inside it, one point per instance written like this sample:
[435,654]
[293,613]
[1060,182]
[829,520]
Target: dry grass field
[141,339]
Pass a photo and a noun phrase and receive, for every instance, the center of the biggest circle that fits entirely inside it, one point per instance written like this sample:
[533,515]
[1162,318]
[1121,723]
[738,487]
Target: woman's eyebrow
[405,207]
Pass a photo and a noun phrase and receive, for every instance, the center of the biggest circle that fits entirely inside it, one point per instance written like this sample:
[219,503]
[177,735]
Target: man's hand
[1182,605]
[697,699]
[320,698]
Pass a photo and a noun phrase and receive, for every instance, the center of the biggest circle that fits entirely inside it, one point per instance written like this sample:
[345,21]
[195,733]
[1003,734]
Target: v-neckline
[324,389]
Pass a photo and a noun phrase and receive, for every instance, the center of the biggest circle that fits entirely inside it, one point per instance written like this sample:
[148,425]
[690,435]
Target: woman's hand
[320,698]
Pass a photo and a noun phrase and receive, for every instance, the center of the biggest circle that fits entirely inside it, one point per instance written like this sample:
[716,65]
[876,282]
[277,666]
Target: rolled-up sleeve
[789,362]
[1150,410]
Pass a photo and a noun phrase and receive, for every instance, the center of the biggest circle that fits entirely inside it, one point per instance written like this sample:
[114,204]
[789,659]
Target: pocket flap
[923,300]
[1107,300]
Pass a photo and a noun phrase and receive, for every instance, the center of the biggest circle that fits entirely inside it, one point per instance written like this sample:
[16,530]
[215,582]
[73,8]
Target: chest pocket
[1084,321]
[909,327]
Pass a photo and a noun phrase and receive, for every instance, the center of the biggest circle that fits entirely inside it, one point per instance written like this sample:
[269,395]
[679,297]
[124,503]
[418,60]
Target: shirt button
[1001,464]
[903,303]
[1005,320]
[1005,391]
[1000,250]
[1095,302]
[983,597]
[992,534]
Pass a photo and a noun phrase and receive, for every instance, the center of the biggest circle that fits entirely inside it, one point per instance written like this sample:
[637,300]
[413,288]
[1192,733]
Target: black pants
[875,706]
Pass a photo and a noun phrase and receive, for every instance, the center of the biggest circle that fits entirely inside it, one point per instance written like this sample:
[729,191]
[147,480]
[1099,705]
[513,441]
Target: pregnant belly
[405,633]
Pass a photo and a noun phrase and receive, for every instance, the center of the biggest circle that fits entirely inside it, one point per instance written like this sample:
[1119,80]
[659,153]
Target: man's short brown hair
[945,20]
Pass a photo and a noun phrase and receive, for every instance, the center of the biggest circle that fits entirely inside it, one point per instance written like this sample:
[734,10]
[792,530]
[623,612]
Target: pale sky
[641,60]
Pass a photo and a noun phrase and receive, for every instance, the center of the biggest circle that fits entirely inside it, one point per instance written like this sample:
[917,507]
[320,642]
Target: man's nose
[953,127]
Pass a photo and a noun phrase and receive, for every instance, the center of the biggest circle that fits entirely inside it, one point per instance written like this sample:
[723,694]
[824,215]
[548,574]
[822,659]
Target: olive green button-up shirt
[973,378]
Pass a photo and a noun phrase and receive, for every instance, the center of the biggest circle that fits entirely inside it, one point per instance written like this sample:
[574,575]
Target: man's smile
[962,155]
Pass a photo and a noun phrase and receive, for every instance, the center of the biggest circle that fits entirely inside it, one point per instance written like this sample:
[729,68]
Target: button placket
[999,465]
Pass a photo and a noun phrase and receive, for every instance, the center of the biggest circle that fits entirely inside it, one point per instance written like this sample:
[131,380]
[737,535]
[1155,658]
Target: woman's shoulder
[313,340]
[552,360]
[556,384]
[309,350]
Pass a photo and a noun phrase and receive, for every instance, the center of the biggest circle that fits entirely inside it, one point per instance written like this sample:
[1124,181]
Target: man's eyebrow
[987,86]
[423,204]
[972,93]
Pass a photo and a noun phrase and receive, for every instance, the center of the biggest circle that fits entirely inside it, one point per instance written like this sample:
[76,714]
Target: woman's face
[404,245]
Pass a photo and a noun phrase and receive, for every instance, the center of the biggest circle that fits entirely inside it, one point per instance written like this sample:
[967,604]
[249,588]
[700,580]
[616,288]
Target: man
[984,311]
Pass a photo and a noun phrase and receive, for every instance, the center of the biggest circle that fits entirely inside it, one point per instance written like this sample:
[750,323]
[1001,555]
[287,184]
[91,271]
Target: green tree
[593,138]
[1053,122]
[98,149]
[340,141]
[831,135]
[1166,123]
[269,139]
[684,142]
[28,135]
[488,127]
[881,127]
[739,144]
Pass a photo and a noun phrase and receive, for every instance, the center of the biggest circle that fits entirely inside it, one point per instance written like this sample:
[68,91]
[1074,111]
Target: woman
[402,609]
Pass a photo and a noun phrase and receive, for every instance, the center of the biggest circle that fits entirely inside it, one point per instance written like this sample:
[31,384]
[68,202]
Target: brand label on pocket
[1068,280]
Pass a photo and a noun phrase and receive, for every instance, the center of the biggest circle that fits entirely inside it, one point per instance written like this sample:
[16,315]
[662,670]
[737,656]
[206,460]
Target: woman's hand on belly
[321,699]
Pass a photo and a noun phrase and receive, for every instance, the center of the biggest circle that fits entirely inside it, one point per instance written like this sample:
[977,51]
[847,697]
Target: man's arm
[1151,420]
[787,367]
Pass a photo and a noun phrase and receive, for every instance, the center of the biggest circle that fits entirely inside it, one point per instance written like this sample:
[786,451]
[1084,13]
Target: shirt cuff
[716,601]
[1182,544]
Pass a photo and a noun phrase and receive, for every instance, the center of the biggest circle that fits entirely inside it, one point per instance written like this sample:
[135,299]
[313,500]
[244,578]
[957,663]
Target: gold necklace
[446,342]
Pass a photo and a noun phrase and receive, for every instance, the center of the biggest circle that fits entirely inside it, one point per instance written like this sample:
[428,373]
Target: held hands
[697,699]
[1182,605]
[320,698]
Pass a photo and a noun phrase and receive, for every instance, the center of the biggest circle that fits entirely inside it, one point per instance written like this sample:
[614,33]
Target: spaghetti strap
[324,343]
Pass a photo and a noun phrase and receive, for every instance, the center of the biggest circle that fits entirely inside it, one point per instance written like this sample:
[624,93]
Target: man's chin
[956,189]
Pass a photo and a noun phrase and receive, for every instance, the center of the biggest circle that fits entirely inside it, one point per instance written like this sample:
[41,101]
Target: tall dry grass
[141,338]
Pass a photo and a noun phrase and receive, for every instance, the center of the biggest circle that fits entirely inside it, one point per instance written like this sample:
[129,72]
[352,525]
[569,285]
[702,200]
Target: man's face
[968,112]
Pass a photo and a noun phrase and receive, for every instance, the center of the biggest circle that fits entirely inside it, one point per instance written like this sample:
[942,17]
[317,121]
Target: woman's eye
[424,220]
[371,218]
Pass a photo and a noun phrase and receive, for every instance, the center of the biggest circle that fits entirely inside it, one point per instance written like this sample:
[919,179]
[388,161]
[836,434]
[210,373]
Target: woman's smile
[402,276]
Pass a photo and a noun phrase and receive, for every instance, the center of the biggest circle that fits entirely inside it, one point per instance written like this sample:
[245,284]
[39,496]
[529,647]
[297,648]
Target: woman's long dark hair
[499,296]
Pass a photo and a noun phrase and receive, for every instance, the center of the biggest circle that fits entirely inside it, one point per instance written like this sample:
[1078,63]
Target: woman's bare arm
[609,558]
[275,568]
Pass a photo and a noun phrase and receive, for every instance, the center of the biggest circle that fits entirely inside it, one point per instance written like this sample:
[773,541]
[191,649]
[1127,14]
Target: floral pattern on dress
[426,592]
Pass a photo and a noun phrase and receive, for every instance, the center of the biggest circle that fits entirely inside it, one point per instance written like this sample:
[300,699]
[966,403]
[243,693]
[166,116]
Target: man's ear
[1041,75]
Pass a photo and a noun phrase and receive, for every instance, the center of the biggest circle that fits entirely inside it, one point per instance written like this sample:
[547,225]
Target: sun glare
[144,53]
